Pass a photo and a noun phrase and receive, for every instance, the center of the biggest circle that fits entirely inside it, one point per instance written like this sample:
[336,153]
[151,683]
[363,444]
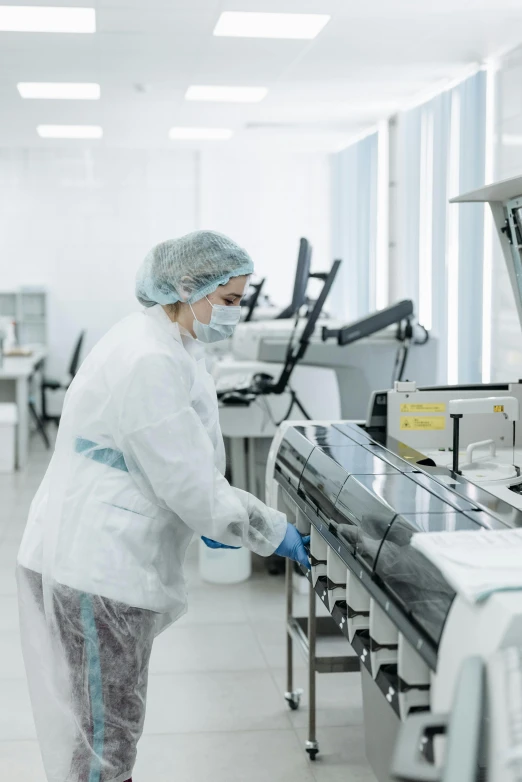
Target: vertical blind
[440,153]
[354,224]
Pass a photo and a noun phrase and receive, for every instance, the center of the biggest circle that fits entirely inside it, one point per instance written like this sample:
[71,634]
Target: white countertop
[14,367]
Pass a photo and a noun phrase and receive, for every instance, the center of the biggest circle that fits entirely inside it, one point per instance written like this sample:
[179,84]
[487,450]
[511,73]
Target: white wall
[267,202]
[79,222]
[506,329]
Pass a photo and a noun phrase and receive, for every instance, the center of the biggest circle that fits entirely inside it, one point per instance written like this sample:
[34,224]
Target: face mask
[222,323]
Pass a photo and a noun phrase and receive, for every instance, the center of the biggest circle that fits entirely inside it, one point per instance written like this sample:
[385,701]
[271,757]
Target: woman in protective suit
[138,468]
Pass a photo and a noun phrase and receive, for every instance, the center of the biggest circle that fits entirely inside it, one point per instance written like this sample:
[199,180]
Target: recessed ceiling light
[227,94]
[69,131]
[42,19]
[58,91]
[260,25]
[200,134]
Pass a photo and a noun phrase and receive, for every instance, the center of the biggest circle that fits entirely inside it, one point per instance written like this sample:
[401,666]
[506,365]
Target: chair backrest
[75,360]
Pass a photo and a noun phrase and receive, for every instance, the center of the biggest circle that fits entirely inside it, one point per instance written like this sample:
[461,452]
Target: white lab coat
[138,467]
[143,393]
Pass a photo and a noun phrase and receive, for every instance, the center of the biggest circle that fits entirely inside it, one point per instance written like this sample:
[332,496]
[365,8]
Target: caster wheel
[312,747]
[293,699]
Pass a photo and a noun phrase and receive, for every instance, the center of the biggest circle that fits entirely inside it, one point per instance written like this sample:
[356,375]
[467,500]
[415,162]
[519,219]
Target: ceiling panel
[239,61]
[378,9]
[369,60]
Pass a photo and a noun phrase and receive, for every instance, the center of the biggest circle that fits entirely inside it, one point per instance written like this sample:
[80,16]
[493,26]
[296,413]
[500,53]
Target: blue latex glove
[214,544]
[293,546]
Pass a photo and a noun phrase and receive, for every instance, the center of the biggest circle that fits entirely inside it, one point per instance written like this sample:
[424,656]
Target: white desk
[15,375]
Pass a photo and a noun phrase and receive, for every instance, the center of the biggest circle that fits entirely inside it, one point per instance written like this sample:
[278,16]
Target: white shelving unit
[28,307]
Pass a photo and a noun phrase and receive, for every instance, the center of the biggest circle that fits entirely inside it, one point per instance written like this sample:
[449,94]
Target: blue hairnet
[188,268]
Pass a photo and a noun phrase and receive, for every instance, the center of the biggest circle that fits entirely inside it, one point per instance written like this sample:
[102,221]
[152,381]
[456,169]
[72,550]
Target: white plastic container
[224,566]
[8,422]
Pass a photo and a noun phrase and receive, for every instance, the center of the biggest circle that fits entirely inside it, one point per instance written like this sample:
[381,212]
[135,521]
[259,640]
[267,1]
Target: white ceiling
[372,58]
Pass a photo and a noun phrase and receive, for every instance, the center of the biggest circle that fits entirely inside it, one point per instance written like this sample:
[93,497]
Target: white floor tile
[338,697]
[9,614]
[201,702]
[272,756]
[214,604]
[20,761]
[7,581]
[14,533]
[11,661]
[201,647]
[341,755]
[16,719]
[8,554]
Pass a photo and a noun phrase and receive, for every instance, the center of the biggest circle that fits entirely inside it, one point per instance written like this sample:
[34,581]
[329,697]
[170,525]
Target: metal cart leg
[312,747]
[292,697]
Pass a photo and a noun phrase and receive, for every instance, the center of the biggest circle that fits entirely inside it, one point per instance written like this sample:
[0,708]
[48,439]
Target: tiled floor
[215,706]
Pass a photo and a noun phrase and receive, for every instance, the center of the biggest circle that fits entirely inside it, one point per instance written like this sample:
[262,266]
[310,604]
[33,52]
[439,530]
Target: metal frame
[415,636]
[304,632]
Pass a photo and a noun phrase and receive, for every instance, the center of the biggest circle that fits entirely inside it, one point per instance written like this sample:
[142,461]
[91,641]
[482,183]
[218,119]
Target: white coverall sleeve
[169,452]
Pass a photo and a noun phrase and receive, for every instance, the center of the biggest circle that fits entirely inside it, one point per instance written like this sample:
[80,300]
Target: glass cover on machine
[391,458]
[354,432]
[326,436]
[367,504]
[443,493]
[328,468]
[409,578]
[293,454]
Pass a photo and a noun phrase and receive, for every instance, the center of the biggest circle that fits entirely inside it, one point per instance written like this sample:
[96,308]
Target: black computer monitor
[251,304]
[301,280]
[293,358]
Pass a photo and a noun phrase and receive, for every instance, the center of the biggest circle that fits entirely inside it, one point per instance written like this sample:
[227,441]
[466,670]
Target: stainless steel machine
[362,502]
[441,673]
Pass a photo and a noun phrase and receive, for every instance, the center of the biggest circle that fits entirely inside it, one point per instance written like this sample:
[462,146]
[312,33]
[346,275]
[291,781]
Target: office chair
[49,384]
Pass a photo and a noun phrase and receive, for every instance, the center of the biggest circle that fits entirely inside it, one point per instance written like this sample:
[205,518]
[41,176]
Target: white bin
[8,422]
[224,566]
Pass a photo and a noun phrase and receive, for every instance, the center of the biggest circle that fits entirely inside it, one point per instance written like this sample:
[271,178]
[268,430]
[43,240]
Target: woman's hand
[293,546]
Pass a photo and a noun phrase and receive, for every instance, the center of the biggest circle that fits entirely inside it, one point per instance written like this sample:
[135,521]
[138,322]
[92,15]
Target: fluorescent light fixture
[227,94]
[69,131]
[235,24]
[58,91]
[200,134]
[42,19]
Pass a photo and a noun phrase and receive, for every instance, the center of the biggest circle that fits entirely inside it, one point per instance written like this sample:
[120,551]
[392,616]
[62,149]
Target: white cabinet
[28,307]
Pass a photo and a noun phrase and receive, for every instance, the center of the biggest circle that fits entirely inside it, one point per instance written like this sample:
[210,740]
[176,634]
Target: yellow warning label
[424,423]
[498,408]
[424,407]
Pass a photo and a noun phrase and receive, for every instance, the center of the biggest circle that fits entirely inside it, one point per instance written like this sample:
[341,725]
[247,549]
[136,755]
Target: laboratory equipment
[302,274]
[470,429]
[428,460]
[251,410]
[373,360]
[410,629]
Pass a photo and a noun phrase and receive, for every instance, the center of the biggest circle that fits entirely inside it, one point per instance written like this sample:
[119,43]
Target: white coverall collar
[181,335]
[160,316]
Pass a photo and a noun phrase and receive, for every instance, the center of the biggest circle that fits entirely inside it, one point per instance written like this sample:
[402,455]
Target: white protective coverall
[138,467]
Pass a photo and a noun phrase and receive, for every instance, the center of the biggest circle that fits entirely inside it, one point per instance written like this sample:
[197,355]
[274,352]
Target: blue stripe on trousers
[92,649]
